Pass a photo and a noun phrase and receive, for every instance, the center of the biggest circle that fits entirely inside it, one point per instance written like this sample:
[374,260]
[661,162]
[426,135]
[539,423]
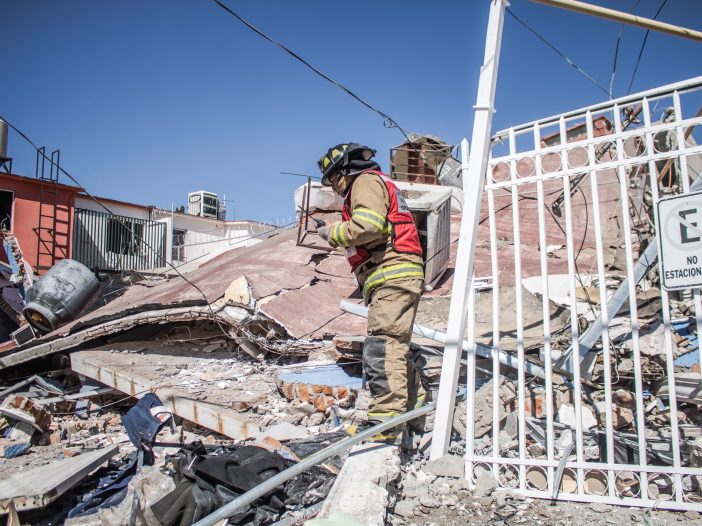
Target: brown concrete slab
[306,311]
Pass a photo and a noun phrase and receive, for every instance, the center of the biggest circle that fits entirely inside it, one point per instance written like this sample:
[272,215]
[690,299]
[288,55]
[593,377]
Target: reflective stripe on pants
[392,376]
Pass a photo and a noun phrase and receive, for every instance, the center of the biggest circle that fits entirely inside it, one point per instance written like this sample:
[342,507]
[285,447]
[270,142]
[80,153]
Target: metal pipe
[440,337]
[269,485]
[625,18]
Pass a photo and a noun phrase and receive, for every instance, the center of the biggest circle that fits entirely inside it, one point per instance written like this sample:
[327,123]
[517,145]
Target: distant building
[53,221]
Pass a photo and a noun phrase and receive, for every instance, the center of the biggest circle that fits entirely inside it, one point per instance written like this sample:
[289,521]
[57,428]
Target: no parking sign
[680,241]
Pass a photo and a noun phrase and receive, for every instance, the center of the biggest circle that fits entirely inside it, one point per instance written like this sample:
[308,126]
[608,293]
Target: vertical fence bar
[574,330]
[470,383]
[606,346]
[633,305]
[518,307]
[670,367]
[546,310]
[495,329]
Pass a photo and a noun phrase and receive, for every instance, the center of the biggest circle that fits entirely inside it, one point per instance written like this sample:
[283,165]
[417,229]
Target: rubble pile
[53,420]
[436,493]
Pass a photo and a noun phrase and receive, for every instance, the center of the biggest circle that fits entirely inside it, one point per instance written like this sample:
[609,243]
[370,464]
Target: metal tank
[60,295]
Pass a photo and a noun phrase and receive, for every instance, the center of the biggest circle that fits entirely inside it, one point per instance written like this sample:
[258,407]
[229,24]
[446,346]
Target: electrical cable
[614,62]
[141,240]
[643,45]
[616,52]
[389,122]
[559,52]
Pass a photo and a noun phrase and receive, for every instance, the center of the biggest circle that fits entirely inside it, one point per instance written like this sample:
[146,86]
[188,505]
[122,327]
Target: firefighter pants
[392,371]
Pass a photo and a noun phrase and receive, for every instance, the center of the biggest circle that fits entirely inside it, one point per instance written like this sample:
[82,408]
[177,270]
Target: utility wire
[557,51]
[643,45]
[118,219]
[389,121]
[616,52]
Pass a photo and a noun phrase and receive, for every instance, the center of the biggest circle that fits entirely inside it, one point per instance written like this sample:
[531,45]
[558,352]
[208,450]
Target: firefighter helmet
[337,157]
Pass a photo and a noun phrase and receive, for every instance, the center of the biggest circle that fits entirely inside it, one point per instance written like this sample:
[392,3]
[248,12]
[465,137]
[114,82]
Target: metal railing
[102,241]
[605,430]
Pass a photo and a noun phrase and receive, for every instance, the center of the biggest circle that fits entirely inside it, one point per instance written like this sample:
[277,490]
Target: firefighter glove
[323,232]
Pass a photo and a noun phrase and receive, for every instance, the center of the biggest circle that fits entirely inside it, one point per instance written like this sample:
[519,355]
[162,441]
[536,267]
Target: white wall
[137,211]
[203,235]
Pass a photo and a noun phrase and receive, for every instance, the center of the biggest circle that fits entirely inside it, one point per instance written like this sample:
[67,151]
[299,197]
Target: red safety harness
[402,231]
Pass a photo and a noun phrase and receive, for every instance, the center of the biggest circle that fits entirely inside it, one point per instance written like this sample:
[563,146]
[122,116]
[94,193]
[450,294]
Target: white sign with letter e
[680,241]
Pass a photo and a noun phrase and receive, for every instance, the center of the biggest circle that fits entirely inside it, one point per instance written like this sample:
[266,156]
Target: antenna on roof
[301,175]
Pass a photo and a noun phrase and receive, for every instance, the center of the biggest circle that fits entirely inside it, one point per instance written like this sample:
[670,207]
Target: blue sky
[151,100]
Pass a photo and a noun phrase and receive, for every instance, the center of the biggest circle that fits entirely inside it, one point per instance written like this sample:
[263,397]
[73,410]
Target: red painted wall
[25,217]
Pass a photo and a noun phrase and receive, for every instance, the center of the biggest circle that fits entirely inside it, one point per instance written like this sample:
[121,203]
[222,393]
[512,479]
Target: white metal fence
[568,234]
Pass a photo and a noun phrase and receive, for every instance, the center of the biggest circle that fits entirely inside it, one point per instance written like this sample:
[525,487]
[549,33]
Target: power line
[616,52]
[389,122]
[558,51]
[643,45]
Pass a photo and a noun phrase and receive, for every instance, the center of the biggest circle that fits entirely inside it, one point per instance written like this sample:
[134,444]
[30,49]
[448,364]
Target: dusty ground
[425,500]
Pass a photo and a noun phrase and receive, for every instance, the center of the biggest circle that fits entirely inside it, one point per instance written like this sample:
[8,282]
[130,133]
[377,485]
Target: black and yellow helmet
[337,157]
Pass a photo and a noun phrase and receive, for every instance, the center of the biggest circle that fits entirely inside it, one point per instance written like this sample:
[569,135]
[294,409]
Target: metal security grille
[587,397]
[112,242]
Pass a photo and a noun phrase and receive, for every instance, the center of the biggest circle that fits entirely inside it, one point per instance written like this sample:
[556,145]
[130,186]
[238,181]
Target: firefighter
[382,246]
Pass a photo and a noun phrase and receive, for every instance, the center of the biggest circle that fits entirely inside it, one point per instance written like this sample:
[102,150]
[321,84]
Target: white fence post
[473,182]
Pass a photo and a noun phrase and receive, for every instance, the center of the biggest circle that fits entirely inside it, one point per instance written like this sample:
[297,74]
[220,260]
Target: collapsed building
[580,365]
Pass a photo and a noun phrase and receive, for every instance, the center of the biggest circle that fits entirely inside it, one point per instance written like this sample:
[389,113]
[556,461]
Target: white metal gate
[568,234]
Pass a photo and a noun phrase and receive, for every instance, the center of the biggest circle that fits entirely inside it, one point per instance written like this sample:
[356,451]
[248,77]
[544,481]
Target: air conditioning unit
[431,207]
[203,204]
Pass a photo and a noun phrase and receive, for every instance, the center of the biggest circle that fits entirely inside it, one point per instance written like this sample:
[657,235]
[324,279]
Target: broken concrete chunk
[621,416]
[283,431]
[242,401]
[252,350]
[485,483]
[212,347]
[483,407]
[239,293]
[696,453]
[336,519]
[405,508]
[447,466]
[566,415]
[362,489]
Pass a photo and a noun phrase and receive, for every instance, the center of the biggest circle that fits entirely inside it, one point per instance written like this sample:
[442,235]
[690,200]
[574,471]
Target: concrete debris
[38,487]
[485,483]
[447,466]
[21,409]
[363,488]
[483,407]
[566,415]
[283,431]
